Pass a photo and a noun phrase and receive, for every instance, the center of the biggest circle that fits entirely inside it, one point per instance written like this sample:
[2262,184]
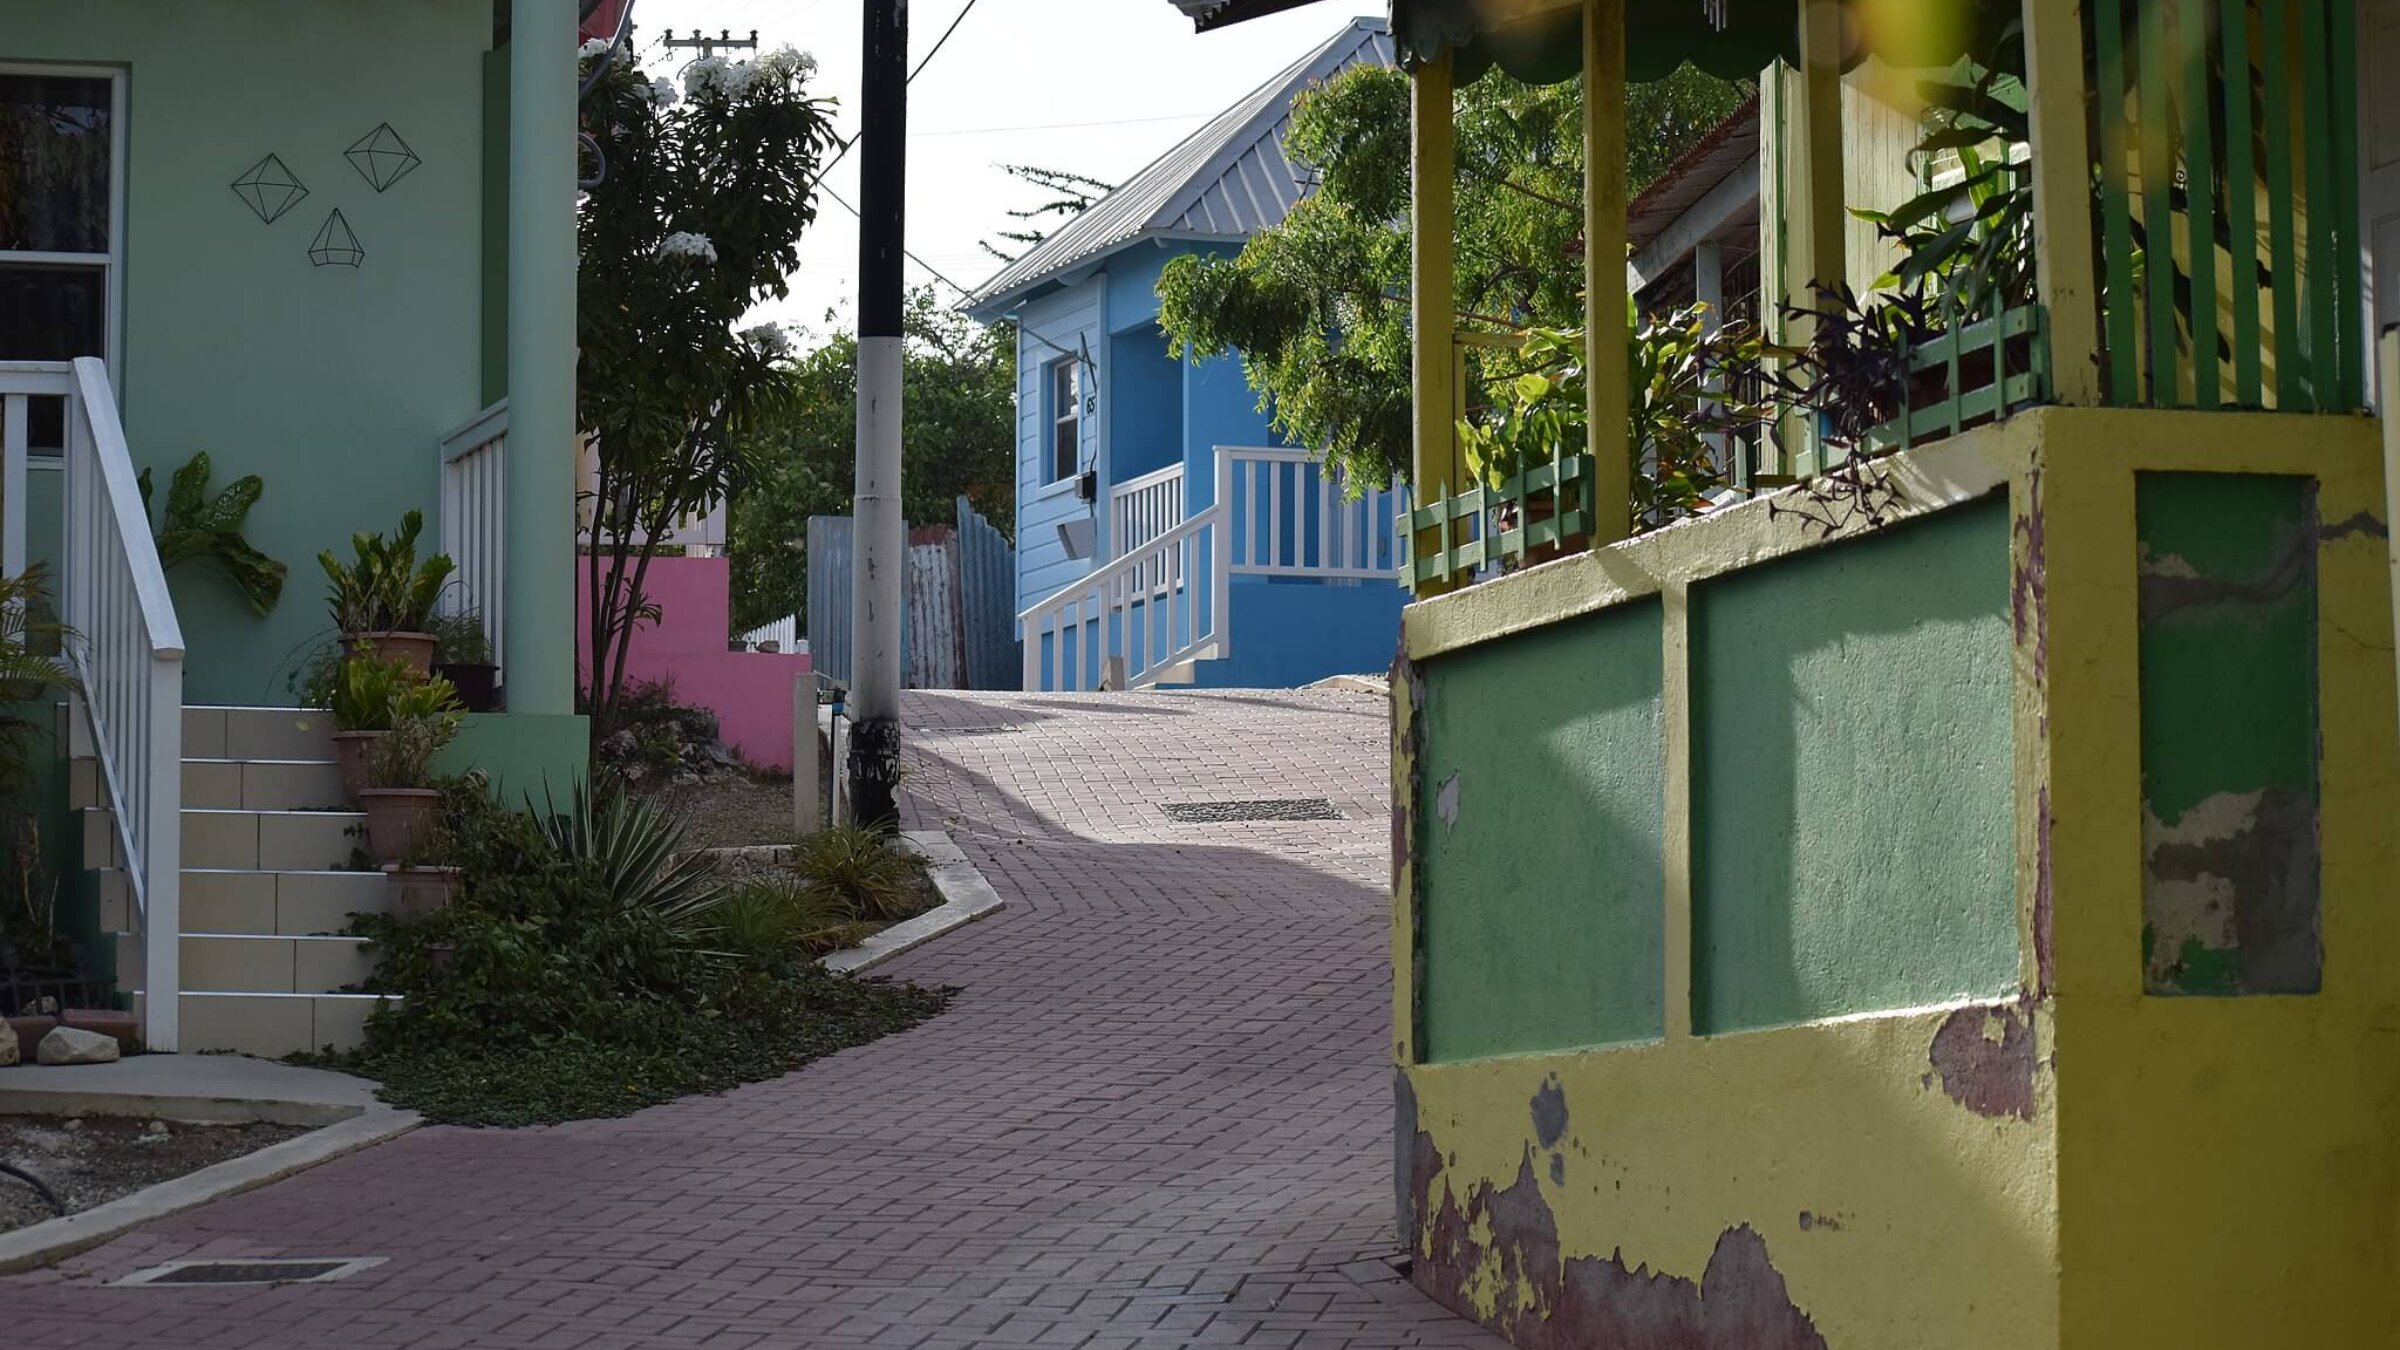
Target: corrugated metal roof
[1208,14]
[1228,180]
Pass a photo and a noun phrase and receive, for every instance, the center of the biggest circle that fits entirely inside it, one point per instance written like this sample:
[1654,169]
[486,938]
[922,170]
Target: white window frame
[111,263]
[1065,406]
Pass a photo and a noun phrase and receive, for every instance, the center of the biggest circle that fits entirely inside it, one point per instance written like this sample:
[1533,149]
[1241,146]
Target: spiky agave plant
[638,852]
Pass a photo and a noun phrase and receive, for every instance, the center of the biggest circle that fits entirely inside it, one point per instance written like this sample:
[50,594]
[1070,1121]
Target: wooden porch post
[1432,322]
[1817,222]
[1606,359]
[2065,277]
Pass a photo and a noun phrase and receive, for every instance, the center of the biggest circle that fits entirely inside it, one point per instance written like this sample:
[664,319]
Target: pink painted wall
[750,692]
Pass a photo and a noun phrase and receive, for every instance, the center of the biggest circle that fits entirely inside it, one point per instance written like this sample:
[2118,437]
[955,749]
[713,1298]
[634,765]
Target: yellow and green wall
[1956,910]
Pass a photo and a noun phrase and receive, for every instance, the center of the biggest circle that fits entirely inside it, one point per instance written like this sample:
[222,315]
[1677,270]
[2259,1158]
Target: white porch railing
[1165,599]
[127,651]
[1141,509]
[1290,520]
[475,520]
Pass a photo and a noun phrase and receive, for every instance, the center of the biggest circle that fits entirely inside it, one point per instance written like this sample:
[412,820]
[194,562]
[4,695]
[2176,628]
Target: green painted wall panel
[1853,817]
[1541,802]
[334,384]
[2230,880]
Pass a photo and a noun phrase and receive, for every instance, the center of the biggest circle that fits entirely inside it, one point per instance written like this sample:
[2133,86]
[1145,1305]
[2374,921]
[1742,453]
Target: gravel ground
[95,1160]
[728,812]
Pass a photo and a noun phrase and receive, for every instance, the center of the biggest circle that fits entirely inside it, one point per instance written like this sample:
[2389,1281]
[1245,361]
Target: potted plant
[383,600]
[462,654]
[402,804]
[421,884]
[360,699]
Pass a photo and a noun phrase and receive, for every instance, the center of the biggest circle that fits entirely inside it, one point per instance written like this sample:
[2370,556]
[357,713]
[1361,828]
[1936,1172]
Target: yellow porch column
[2066,280]
[1815,216]
[1432,323]
[1605,339]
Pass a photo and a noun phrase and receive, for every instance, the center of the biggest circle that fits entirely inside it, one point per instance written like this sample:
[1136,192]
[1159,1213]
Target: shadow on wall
[1850,707]
[750,692]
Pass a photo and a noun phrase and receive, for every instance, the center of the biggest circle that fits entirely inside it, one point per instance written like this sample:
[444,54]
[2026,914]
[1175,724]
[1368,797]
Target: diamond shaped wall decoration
[335,245]
[269,188]
[381,157]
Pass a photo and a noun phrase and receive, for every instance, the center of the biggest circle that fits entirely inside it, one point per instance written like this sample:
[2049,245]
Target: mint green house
[331,244]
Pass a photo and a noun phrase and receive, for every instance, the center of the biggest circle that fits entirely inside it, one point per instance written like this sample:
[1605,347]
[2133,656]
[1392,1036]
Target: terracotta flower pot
[414,648]
[398,819]
[419,892]
[350,754]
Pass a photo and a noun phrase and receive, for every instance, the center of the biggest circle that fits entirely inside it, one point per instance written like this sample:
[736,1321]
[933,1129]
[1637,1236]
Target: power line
[840,154]
[1061,126]
[904,250]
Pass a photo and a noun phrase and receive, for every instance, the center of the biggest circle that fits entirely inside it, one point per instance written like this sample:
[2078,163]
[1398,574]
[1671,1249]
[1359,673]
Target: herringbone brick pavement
[1158,1115]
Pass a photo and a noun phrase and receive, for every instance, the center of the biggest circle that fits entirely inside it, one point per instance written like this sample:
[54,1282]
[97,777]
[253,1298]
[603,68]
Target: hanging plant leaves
[209,529]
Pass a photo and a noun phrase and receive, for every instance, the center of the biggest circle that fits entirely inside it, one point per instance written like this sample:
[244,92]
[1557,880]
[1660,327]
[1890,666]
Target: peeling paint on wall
[1984,1059]
[1517,1283]
[2230,810]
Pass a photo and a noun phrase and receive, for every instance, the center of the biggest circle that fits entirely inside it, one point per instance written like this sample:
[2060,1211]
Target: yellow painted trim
[1815,217]
[1606,342]
[2067,280]
[2388,386]
[1929,478]
[1432,298]
[1675,834]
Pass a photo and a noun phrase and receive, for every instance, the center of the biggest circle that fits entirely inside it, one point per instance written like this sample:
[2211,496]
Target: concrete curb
[966,897]
[54,1240]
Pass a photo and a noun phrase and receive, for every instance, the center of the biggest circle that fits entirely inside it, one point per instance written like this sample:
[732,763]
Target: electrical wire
[938,43]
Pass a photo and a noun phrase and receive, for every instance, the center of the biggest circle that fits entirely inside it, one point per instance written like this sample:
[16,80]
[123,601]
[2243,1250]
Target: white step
[274,1025]
[272,841]
[253,963]
[211,732]
[287,904]
[232,784]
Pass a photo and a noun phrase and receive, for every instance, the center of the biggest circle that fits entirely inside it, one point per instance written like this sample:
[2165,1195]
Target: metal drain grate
[1288,808]
[251,1270]
[992,730]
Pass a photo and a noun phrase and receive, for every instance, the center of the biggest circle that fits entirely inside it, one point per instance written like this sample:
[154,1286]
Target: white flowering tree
[702,196]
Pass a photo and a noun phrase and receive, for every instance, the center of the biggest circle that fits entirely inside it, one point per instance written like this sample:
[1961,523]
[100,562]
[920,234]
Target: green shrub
[876,878]
[459,639]
[780,917]
[587,968]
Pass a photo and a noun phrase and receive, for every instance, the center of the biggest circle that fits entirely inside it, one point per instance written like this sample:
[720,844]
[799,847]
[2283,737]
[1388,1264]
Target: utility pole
[881,536]
[706,45]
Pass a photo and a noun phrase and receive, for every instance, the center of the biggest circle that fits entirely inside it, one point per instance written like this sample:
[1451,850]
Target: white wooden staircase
[267,842]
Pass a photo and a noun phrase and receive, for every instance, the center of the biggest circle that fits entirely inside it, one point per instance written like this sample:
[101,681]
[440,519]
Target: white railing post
[474,461]
[13,435]
[162,854]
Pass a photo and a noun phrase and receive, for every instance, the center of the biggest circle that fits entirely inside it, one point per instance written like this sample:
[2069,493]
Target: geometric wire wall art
[335,245]
[381,157]
[269,189]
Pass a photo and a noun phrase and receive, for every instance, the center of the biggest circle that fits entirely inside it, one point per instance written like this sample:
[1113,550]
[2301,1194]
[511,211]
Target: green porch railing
[1987,369]
[1534,514]
[2228,203]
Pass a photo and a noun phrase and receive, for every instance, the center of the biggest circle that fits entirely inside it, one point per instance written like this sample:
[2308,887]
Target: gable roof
[1226,181]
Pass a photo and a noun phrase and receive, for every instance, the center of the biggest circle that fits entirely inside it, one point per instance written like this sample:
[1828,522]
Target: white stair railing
[128,656]
[1135,618]
[475,521]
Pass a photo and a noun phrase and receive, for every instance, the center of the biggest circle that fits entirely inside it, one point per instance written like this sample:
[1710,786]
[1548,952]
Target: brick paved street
[1159,1114]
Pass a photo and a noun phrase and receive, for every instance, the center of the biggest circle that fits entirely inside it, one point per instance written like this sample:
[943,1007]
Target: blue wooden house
[1164,534]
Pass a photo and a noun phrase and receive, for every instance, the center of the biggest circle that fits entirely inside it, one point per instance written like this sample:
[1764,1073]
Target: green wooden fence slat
[2116,212]
[2347,281]
[2152,58]
[2241,202]
[2200,200]
[2324,362]
[2283,252]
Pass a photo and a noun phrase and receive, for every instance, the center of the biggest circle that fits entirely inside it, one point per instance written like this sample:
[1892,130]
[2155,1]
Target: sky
[1100,87]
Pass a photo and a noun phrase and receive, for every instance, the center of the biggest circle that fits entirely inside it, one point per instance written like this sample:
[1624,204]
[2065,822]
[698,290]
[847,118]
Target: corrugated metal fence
[957,623]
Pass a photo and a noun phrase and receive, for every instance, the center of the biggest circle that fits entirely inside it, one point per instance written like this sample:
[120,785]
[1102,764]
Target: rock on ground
[9,1051]
[67,1045]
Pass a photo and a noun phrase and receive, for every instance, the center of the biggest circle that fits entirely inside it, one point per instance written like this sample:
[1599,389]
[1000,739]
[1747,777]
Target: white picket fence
[475,521]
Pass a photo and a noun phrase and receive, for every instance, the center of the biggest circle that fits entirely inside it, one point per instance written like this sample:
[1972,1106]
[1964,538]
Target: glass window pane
[52,313]
[54,150]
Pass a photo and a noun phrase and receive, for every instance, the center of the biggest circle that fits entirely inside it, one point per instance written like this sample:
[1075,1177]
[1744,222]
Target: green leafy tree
[958,384]
[696,219]
[1318,305]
